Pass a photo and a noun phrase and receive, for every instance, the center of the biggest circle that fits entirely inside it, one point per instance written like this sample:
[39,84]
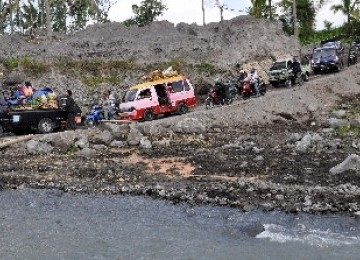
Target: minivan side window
[177,86]
[146,93]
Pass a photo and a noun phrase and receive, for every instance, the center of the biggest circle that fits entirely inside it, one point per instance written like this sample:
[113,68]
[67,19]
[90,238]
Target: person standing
[254,81]
[105,105]
[70,110]
[296,67]
[112,105]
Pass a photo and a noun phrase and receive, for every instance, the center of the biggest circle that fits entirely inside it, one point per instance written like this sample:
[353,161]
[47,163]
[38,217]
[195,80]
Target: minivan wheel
[46,126]
[149,115]
[183,109]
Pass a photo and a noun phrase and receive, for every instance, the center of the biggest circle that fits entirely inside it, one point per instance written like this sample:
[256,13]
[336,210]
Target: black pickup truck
[22,121]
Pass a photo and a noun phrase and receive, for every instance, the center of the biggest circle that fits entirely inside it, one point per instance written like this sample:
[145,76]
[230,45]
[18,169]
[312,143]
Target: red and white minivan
[163,96]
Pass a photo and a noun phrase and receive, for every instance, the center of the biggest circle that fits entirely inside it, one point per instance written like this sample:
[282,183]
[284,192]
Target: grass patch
[348,130]
[206,68]
[30,66]
[95,67]
[94,81]
[71,150]
[11,63]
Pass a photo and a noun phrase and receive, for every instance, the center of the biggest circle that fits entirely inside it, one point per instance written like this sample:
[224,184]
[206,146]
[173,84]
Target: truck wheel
[46,126]
[149,115]
[275,84]
[182,109]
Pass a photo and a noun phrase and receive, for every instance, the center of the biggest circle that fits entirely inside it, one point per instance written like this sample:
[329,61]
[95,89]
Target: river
[47,224]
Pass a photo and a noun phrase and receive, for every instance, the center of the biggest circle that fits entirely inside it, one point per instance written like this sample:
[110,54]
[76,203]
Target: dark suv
[327,58]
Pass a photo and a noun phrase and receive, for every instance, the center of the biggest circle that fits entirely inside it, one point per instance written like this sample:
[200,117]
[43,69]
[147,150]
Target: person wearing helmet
[220,90]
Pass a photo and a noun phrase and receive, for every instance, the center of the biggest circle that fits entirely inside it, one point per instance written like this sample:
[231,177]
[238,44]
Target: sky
[189,11]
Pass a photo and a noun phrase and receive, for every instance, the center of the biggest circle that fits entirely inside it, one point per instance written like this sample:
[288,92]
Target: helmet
[218,80]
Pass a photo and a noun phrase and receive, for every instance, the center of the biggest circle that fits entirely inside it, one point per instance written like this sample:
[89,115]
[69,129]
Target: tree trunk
[98,11]
[11,17]
[48,19]
[41,10]
[270,10]
[1,17]
[203,11]
[296,28]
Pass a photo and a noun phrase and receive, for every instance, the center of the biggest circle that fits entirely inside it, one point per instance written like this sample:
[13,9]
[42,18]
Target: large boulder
[37,147]
[352,162]
[61,140]
[307,141]
[190,126]
[134,136]
[102,137]
[87,152]
[119,132]
[82,143]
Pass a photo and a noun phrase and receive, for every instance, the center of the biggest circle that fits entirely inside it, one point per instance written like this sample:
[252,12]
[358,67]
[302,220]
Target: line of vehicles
[146,101]
[174,94]
[328,57]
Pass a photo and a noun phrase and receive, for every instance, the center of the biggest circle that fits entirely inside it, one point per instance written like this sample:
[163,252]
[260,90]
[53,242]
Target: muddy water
[43,224]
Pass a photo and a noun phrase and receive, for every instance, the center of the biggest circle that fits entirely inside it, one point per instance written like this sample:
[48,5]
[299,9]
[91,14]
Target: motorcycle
[95,116]
[292,79]
[214,99]
[248,91]
[353,53]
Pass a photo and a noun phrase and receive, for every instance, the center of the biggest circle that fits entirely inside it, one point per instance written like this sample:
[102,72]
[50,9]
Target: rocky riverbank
[298,157]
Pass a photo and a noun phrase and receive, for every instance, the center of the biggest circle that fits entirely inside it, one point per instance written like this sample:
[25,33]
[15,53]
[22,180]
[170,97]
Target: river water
[45,224]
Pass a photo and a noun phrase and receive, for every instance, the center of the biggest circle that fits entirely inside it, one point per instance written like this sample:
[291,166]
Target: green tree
[146,13]
[81,11]
[258,8]
[347,7]
[305,15]
[102,8]
[4,15]
[328,25]
[29,16]
[59,10]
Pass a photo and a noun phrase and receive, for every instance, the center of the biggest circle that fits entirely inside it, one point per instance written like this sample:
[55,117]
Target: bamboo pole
[17,140]
[118,121]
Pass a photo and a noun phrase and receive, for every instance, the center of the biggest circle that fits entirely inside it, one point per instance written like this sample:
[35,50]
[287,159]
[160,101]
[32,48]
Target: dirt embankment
[233,41]
[277,151]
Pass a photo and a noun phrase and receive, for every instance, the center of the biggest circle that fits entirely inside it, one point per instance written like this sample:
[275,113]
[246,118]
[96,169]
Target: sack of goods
[158,74]
[41,99]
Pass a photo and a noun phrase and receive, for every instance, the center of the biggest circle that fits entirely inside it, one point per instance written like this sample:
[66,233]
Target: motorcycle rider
[296,68]
[254,81]
[220,90]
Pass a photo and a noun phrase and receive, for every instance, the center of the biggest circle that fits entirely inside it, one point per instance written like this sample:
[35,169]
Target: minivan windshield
[280,65]
[318,53]
[129,96]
